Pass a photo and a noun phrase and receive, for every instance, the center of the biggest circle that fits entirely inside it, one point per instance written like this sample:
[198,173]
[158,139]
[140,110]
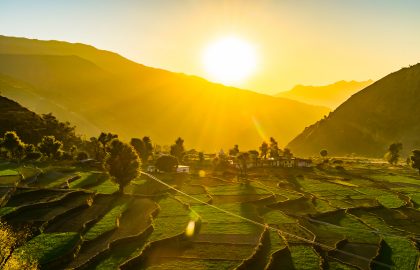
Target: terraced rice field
[362,217]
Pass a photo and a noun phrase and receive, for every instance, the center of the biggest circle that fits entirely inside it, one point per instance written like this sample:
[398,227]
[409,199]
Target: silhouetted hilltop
[103,90]
[385,112]
[30,126]
[331,95]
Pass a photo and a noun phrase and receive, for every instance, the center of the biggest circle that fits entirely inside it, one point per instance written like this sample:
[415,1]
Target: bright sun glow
[230,60]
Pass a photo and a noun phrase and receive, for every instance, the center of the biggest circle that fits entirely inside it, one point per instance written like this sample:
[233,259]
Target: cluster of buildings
[283,162]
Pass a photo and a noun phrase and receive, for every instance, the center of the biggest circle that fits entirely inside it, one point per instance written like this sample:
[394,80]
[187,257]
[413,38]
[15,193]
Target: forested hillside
[388,111]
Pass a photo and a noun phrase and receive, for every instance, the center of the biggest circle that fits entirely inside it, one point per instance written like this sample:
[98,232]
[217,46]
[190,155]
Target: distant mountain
[329,95]
[385,112]
[100,90]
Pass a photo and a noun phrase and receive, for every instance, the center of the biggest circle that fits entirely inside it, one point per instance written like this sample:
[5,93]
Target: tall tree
[105,138]
[274,148]
[201,157]
[143,147]
[415,160]
[95,149]
[393,154]
[14,146]
[178,149]
[243,162]
[122,163]
[234,151]
[264,150]
[50,147]
[287,153]
[148,146]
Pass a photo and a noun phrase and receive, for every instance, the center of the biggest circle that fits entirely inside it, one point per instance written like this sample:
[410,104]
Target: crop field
[361,216]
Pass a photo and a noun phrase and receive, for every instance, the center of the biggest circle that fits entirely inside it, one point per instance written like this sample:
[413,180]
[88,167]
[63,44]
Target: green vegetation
[195,264]
[393,154]
[307,203]
[415,159]
[304,257]
[122,163]
[87,179]
[50,147]
[401,252]
[47,247]
[390,201]
[143,147]
[107,223]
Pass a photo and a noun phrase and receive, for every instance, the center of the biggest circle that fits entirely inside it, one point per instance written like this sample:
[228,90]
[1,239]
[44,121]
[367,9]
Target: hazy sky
[298,42]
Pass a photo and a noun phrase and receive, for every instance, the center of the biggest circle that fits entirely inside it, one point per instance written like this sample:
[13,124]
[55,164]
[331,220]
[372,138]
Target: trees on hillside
[287,153]
[242,162]
[393,153]
[274,150]
[50,147]
[122,163]
[96,146]
[62,131]
[14,146]
[95,149]
[415,160]
[234,151]
[221,162]
[264,150]
[177,149]
[323,153]
[31,152]
[105,138]
[200,158]
[166,163]
[143,147]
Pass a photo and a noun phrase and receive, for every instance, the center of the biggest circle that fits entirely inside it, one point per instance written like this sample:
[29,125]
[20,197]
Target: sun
[230,60]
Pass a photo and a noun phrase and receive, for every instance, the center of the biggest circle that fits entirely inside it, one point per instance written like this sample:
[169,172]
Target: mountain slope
[31,98]
[108,92]
[329,95]
[30,126]
[385,112]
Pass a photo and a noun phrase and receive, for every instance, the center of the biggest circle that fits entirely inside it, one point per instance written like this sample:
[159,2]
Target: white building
[151,168]
[183,169]
[301,163]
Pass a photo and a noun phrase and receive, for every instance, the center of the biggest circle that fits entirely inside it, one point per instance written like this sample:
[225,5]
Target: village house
[183,169]
[303,163]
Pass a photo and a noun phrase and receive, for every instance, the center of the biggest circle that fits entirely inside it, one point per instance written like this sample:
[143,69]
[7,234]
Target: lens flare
[189,231]
[259,128]
[201,173]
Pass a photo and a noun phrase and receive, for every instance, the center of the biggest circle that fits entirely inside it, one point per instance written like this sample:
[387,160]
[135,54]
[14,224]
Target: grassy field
[369,210]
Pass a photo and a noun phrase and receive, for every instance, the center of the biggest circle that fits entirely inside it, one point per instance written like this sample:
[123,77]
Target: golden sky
[297,42]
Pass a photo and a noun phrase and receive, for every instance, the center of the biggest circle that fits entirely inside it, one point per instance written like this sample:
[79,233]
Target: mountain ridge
[331,95]
[134,100]
[369,121]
